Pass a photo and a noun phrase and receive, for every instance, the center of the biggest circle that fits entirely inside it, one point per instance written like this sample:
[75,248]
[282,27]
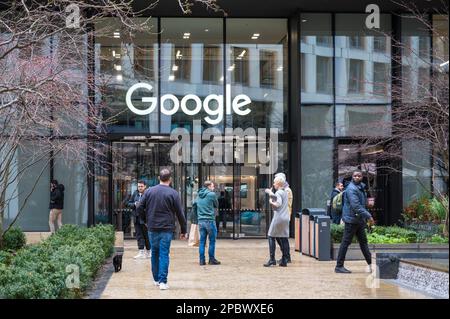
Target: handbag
[194,236]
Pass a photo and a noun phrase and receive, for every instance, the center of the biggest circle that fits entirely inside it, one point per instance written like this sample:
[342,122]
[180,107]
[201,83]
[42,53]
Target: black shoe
[202,263]
[287,261]
[271,262]
[342,270]
[214,262]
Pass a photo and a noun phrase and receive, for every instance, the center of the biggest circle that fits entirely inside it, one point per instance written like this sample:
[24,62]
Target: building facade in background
[315,77]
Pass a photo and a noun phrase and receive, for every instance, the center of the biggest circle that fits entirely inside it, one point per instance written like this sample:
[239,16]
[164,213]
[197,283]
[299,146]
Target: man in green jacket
[207,204]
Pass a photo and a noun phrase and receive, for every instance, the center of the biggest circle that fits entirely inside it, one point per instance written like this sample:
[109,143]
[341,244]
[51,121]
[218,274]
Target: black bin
[307,229]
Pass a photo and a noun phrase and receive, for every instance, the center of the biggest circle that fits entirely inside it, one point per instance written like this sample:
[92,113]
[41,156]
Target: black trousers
[272,246]
[141,235]
[351,230]
[283,242]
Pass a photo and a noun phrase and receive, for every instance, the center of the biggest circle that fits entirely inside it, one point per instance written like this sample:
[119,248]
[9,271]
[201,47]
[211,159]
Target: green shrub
[5,257]
[403,234]
[438,208]
[39,271]
[375,238]
[437,239]
[337,231]
[14,239]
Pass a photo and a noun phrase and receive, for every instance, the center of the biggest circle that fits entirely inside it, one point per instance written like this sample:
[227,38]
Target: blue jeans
[207,228]
[160,243]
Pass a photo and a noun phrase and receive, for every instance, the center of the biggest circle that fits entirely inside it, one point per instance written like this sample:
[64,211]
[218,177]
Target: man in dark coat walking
[355,217]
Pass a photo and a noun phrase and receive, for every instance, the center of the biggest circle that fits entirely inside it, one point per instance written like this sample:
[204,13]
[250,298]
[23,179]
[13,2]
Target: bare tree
[420,109]
[48,107]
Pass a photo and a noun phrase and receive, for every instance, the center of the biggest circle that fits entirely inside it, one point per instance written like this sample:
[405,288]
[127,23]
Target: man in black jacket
[160,204]
[139,224]
[355,217]
[56,204]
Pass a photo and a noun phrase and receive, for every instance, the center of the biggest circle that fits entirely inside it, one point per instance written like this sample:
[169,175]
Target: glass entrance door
[243,208]
[134,161]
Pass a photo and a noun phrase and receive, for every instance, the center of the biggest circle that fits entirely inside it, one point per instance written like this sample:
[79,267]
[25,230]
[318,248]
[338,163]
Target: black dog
[117,262]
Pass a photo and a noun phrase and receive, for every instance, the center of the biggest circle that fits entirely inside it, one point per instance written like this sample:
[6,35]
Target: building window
[355,76]
[240,66]
[316,58]
[317,120]
[303,76]
[356,42]
[212,64]
[363,120]
[379,44]
[143,62]
[324,74]
[267,68]
[181,69]
[381,81]
[424,47]
[324,41]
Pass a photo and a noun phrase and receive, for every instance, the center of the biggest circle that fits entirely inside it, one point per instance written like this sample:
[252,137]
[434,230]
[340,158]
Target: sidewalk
[242,275]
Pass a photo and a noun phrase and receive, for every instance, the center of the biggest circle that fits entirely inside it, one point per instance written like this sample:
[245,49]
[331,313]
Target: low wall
[354,252]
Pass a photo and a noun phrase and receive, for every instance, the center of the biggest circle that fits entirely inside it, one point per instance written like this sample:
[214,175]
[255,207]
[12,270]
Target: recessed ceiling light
[118,67]
[117,56]
[255,36]
[186,35]
[304,20]
[116,34]
[346,149]
[119,77]
[206,30]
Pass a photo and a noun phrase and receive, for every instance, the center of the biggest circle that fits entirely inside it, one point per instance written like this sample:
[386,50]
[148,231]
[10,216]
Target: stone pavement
[242,275]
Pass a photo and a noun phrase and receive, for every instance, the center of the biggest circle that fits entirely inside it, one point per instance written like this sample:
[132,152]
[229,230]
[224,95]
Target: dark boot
[272,261]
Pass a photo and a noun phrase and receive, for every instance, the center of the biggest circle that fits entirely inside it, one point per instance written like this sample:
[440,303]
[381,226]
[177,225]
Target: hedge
[14,239]
[389,235]
[39,271]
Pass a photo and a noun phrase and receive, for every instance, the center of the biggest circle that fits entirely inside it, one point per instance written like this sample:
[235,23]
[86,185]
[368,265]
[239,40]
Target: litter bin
[322,238]
[307,229]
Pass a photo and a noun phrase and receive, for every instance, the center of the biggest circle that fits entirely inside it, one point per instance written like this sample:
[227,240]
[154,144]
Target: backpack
[338,202]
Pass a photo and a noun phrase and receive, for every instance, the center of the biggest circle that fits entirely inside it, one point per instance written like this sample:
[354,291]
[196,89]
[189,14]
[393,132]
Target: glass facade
[196,66]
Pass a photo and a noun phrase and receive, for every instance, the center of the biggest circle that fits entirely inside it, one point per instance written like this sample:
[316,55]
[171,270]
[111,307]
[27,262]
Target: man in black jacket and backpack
[56,205]
[355,217]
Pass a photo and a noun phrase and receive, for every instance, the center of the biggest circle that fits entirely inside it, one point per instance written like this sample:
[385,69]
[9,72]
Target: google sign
[235,105]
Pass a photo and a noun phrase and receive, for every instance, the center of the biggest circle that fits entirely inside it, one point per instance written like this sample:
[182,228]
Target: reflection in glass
[415,59]
[316,49]
[317,120]
[256,65]
[120,62]
[317,172]
[191,63]
[359,52]
[363,120]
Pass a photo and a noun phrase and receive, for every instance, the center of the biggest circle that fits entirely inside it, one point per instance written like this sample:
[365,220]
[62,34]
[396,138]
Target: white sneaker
[163,286]
[156,283]
[140,255]
[148,254]
[369,269]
